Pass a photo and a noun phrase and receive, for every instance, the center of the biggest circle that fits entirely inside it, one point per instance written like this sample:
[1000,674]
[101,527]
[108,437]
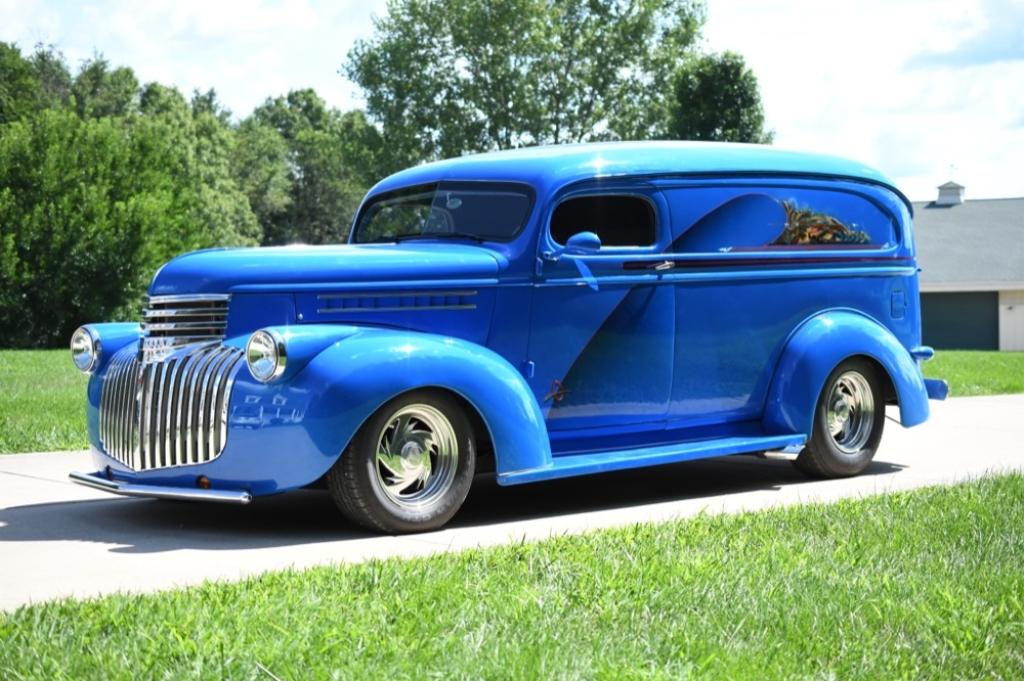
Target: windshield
[475,210]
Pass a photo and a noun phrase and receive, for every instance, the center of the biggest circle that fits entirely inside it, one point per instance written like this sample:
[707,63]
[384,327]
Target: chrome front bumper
[160,492]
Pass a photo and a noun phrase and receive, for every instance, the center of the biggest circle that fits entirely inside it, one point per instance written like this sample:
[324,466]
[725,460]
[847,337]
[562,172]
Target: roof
[974,246]
[551,167]
[951,185]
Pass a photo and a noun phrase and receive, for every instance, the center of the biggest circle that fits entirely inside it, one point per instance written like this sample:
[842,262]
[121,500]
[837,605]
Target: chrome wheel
[850,412]
[417,456]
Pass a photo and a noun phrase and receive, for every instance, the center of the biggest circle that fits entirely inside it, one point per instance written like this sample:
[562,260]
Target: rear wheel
[410,466]
[848,422]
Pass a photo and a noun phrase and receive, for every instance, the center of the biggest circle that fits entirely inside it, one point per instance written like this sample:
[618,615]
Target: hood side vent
[404,301]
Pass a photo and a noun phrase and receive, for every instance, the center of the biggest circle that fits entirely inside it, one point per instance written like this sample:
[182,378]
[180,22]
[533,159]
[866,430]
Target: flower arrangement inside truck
[540,313]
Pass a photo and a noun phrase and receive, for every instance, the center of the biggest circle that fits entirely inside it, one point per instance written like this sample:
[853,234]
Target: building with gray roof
[971,254]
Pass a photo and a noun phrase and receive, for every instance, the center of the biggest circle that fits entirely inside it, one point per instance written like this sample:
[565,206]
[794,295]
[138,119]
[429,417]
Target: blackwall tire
[848,422]
[410,466]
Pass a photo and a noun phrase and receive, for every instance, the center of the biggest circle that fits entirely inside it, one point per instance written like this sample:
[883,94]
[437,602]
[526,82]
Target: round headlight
[85,349]
[265,355]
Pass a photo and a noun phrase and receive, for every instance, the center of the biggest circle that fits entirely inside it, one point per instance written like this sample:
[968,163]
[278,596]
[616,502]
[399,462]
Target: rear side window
[619,220]
[723,219]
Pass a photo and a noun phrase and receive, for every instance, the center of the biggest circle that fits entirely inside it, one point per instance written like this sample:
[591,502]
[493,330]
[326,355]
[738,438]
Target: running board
[603,462]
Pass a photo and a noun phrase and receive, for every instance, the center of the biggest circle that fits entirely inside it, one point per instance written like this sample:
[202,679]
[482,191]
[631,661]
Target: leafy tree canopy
[18,84]
[326,159]
[446,77]
[101,182]
[716,98]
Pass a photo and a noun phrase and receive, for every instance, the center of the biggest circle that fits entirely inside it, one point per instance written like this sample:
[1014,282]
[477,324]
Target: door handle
[656,265]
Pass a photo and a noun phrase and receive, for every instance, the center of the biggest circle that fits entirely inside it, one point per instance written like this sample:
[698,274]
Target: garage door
[964,321]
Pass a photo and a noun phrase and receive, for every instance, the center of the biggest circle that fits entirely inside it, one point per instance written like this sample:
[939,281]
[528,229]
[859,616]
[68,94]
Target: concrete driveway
[58,539]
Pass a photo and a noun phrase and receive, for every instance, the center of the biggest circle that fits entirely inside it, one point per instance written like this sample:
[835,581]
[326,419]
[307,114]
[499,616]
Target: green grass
[42,402]
[926,584]
[42,396]
[972,372]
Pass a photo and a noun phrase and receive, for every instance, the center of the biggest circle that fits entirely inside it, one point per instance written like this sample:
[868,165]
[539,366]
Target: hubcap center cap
[412,455]
[851,411]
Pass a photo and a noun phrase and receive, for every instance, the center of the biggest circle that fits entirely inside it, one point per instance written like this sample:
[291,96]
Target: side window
[619,220]
[723,219]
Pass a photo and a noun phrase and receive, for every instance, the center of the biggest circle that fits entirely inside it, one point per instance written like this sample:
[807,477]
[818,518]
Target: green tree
[332,158]
[260,166]
[99,91]
[91,206]
[193,151]
[716,98]
[445,77]
[52,76]
[207,102]
[18,85]
[73,218]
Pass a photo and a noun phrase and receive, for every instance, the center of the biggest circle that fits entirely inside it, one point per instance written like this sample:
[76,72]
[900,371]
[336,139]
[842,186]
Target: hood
[288,268]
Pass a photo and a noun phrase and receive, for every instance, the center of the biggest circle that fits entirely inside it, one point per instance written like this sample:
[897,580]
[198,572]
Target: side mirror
[583,243]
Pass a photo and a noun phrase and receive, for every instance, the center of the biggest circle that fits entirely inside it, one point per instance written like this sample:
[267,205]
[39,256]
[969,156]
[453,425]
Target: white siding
[1011,320]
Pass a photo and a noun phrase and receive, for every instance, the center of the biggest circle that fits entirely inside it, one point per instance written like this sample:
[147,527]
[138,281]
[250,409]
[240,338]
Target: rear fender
[817,347]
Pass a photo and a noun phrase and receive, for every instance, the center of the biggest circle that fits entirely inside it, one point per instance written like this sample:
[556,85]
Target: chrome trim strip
[174,326]
[395,294]
[407,308]
[659,278]
[185,312]
[191,298]
[359,286]
[159,491]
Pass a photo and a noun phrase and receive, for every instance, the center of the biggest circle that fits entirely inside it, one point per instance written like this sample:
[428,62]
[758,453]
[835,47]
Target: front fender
[365,367]
[816,348]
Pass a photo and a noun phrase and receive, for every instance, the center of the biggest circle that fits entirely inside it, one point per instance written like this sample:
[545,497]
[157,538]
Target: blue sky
[925,90]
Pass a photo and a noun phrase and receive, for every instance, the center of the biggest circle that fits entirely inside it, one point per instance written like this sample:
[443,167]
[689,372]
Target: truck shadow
[309,516]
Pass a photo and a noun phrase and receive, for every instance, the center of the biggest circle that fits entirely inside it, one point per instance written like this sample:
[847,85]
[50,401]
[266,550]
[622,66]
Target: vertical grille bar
[216,395]
[181,431]
[156,414]
[206,432]
[168,413]
[171,411]
[122,403]
[134,442]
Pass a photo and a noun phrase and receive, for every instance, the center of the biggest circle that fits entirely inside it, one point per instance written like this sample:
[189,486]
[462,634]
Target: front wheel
[848,422]
[410,466]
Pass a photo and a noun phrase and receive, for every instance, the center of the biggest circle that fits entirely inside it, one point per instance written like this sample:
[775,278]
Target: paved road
[58,539]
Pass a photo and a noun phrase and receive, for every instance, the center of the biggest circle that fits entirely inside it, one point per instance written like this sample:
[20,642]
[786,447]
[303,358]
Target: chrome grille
[170,322]
[169,413]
